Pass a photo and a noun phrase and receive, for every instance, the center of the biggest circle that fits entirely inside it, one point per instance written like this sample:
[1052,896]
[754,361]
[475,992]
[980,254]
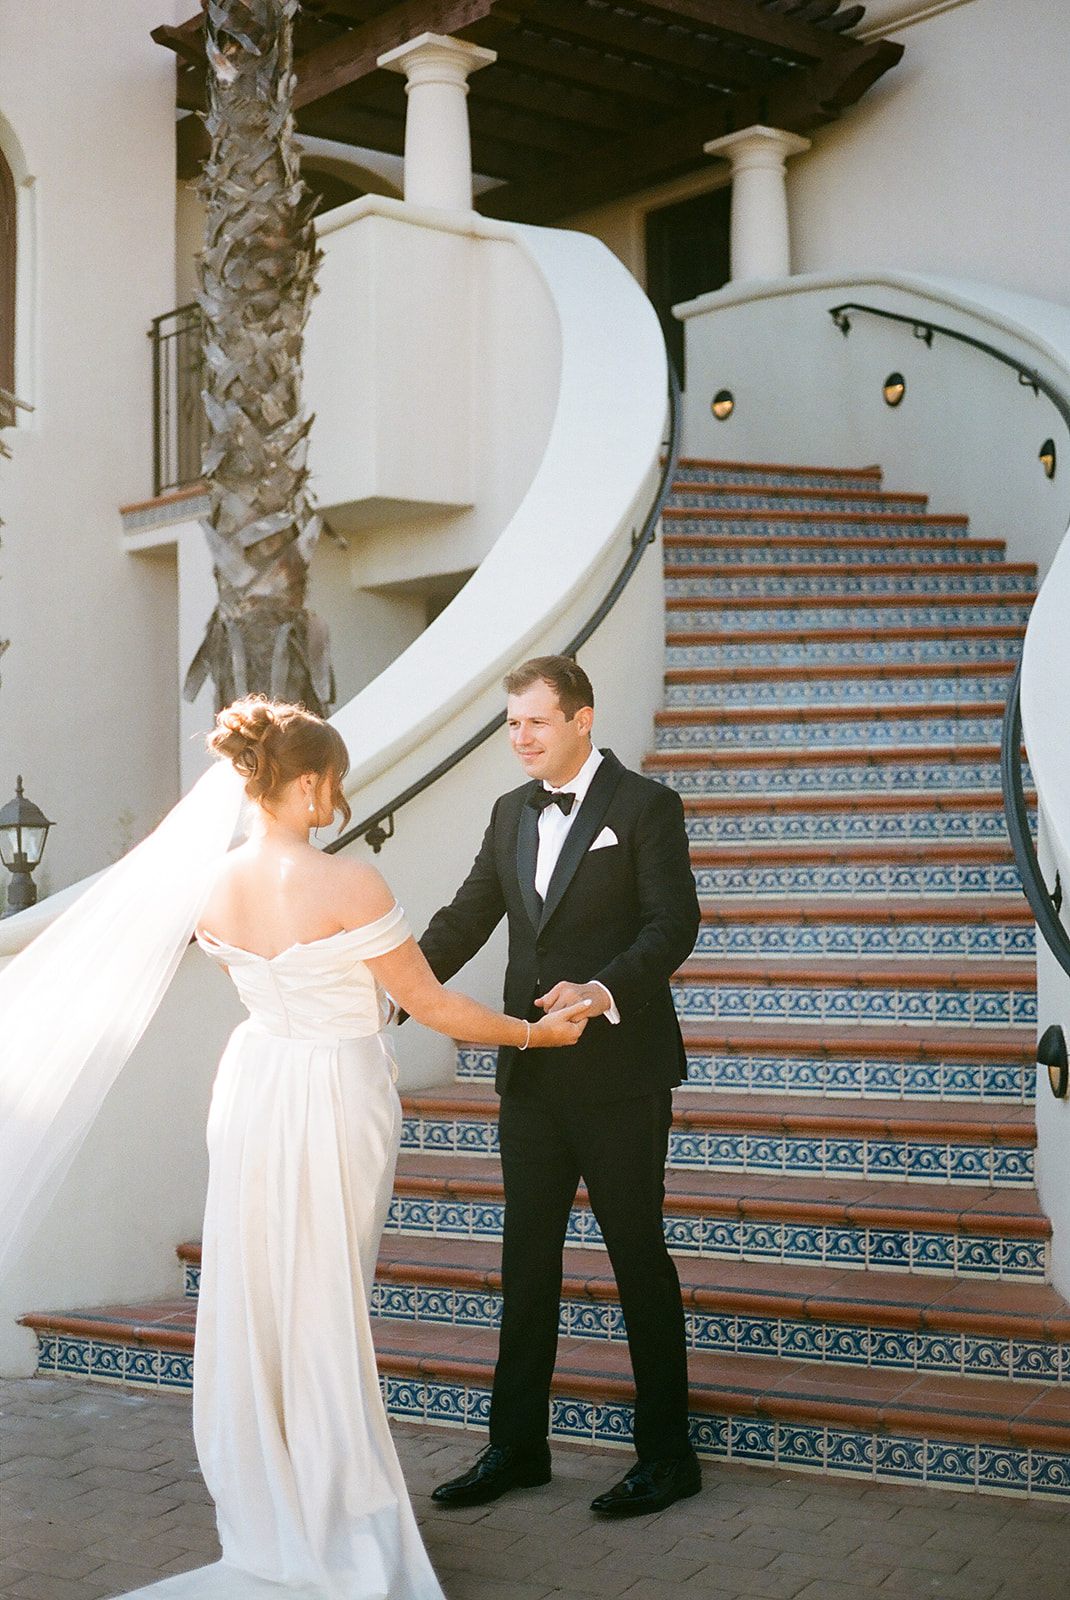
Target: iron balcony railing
[179,426]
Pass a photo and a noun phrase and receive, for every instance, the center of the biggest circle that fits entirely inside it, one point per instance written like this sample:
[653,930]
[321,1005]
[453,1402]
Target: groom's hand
[566,994]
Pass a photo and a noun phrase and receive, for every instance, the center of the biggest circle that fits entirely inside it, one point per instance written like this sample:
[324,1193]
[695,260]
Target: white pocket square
[605,838]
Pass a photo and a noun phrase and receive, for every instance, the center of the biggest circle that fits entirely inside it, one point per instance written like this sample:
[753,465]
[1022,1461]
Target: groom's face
[548,745]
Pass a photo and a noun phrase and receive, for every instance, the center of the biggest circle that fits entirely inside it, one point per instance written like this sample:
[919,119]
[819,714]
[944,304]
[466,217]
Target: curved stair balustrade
[379,827]
[1043,902]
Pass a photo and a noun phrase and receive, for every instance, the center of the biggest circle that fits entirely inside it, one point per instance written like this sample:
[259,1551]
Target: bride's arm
[405,974]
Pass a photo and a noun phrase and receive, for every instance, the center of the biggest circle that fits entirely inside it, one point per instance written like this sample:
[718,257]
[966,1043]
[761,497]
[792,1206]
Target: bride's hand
[561,1027]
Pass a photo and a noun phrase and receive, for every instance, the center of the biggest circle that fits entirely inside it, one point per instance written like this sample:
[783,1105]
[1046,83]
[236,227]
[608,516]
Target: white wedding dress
[289,1422]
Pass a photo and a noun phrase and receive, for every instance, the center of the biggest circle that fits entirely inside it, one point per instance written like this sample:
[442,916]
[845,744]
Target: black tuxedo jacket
[625,914]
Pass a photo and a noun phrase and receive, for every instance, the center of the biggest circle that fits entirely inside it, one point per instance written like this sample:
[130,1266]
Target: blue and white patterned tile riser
[730,1333]
[865,941]
[890,733]
[847,1247]
[787,1155]
[774,586]
[106,1361]
[860,503]
[751,554]
[916,880]
[838,693]
[845,1004]
[814,654]
[938,779]
[773,526]
[821,618]
[974,825]
[884,1457]
[820,1077]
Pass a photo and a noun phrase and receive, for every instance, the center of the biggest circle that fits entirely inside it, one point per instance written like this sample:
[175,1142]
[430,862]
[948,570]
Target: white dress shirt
[553,831]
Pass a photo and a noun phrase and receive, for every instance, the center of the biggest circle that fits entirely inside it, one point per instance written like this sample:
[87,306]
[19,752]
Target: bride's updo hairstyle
[270,744]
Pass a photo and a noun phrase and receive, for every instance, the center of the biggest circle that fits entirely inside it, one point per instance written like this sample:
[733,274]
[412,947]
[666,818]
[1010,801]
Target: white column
[438,149]
[760,246]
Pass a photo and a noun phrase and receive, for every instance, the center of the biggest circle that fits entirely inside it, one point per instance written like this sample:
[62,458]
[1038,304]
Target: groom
[589,863]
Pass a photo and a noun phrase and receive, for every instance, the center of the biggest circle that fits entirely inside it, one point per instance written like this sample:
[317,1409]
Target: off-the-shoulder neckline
[298,944]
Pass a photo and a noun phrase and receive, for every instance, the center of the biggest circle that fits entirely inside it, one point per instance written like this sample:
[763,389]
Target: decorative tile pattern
[761,1441]
[859,652]
[868,618]
[706,552]
[837,694]
[850,777]
[880,1078]
[845,1003]
[814,941]
[788,477]
[709,498]
[883,732]
[750,1239]
[891,878]
[849,527]
[966,825]
[876,585]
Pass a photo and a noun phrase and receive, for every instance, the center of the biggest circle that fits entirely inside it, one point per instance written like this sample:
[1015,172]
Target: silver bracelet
[527,1041]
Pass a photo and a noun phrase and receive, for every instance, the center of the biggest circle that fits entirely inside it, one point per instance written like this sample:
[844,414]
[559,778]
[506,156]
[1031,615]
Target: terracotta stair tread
[790,490]
[870,471]
[911,755]
[957,1120]
[166,1323]
[715,717]
[890,519]
[912,853]
[767,1386]
[969,1208]
[847,569]
[716,539]
[852,1040]
[828,1294]
[937,972]
[875,911]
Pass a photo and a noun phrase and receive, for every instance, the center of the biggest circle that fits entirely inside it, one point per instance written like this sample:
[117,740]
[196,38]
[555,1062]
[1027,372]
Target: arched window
[7,276]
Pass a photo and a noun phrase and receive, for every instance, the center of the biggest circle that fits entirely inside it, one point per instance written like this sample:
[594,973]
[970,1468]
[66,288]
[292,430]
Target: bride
[303,1132]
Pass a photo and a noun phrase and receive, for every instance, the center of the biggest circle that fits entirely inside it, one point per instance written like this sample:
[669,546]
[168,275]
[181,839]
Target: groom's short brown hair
[565,677]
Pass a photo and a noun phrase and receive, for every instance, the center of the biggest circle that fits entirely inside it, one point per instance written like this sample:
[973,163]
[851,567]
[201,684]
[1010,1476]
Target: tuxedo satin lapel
[527,848]
[583,831]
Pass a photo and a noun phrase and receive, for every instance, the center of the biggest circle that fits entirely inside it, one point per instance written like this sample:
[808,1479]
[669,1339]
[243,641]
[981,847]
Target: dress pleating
[290,1427]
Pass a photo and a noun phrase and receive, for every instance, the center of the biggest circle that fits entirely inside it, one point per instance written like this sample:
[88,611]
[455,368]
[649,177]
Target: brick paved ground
[100,1494]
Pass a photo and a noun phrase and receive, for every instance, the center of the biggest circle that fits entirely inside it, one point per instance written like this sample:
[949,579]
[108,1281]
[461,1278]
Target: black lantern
[23,831]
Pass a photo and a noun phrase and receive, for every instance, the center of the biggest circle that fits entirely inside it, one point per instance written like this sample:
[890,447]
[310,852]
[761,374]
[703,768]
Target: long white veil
[76,1001]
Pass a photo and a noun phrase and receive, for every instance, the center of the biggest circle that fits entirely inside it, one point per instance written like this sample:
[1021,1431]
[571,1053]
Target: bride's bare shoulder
[359,891]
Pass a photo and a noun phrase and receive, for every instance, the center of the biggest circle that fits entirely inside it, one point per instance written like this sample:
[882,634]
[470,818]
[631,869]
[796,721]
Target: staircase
[850,1194]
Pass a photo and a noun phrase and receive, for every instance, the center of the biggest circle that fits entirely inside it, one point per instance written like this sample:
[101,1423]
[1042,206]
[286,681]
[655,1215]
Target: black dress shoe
[499,1468]
[651,1486]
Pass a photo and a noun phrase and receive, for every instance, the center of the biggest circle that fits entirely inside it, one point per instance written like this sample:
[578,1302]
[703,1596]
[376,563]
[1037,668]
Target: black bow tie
[541,798]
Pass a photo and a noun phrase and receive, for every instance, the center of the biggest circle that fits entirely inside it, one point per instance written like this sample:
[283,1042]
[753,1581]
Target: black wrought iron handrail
[379,827]
[1043,902]
[925,330]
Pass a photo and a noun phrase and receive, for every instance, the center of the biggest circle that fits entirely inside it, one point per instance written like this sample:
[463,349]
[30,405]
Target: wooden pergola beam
[620,166]
[743,22]
[354,55]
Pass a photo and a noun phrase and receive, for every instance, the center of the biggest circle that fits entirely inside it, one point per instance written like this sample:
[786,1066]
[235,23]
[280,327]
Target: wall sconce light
[1047,457]
[723,404]
[895,387]
[1051,1053]
[23,831]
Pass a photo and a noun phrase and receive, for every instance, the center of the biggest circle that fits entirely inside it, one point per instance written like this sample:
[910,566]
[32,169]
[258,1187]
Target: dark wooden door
[686,255]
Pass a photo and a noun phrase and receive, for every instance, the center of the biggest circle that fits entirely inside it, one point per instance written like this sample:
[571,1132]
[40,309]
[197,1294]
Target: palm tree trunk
[257,280]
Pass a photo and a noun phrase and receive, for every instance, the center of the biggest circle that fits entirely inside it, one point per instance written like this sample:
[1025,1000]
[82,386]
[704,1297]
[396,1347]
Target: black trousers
[550,1141]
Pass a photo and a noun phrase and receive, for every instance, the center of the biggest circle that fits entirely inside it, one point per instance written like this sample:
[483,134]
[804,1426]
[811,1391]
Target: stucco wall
[87,710]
